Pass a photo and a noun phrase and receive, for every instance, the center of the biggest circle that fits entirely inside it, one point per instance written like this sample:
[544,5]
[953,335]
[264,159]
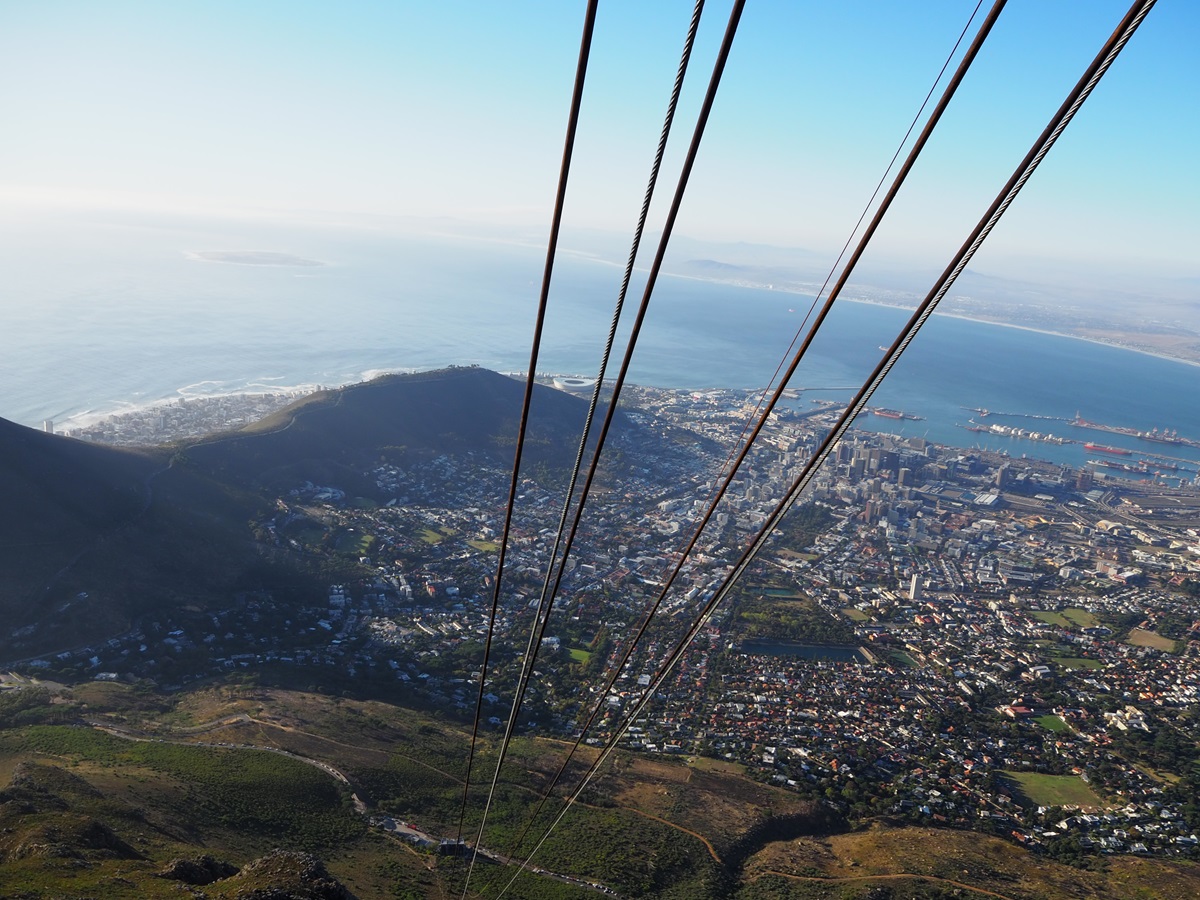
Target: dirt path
[177,737]
[701,838]
[320,737]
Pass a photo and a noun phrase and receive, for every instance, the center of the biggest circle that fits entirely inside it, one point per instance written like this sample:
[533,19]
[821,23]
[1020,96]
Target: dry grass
[641,768]
[983,863]
[720,766]
[707,797]
[1140,638]
[719,803]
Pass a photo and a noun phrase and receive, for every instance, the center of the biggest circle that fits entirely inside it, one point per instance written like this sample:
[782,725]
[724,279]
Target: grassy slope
[94,537]
[654,827]
[948,863]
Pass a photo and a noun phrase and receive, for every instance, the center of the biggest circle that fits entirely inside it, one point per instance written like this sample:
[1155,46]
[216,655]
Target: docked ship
[1009,431]
[1165,436]
[1162,437]
[1139,468]
[1104,448]
[894,414]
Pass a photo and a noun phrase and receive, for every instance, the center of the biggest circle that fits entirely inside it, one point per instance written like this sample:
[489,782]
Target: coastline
[103,403]
[1061,334]
[758,286]
[91,418]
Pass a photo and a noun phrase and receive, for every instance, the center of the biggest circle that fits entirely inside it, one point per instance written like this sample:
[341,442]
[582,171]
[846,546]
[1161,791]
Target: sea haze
[102,314]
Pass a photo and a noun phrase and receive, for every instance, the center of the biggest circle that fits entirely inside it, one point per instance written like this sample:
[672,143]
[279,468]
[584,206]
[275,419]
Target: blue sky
[458,109]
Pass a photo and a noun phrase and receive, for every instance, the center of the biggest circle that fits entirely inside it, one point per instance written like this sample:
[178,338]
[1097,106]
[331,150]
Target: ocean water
[104,314]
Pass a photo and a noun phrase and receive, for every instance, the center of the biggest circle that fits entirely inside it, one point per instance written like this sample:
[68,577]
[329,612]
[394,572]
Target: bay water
[106,314]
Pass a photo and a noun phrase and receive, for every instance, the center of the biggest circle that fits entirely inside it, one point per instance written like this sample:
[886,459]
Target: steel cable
[559,203]
[720,488]
[1004,199]
[546,599]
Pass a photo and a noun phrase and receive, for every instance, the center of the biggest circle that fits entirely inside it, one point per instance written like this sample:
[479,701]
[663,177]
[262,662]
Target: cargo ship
[1104,448]
[1134,468]
[1162,437]
[1165,436]
[894,414]
[1009,431]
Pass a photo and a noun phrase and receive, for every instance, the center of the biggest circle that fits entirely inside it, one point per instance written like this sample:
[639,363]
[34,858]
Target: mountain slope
[95,537]
[333,434]
[62,499]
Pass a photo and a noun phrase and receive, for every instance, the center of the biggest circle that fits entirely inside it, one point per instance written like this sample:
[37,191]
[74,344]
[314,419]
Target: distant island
[252,258]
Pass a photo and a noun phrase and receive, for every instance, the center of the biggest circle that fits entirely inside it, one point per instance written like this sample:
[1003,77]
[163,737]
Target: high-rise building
[1084,480]
[1003,476]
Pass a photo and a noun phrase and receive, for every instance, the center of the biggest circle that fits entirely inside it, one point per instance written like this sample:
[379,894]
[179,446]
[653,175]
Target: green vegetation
[1053,723]
[411,791]
[355,543]
[1165,749]
[855,615]
[580,655]
[429,536]
[1081,617]
[1052,618]
[1072,617]
[255,792]
[802,525]
[1076,662]
[484,546]
[791,620]
[633,832]
[306,531]
[1053,790]
[635,854]
[30,706]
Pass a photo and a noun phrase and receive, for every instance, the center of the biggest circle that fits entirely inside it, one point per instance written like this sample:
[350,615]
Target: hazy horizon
[458,111]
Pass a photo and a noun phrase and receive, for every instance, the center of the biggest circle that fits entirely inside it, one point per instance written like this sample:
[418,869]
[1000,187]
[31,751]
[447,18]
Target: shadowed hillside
[62,498]
[329,436]
[97,537]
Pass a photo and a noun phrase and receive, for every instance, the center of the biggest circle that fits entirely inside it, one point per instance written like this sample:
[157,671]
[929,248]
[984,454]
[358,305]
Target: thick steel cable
[721,487]
[1004,199]
[546,600]
[652,278]
[849,239]
[723,472]
[559,203]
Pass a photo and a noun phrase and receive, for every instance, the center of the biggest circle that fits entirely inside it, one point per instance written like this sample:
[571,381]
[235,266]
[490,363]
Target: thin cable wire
[546,600]
[846,246]
[723,473]
[721,487]
[655,269]
[559,203]
[1004,199]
